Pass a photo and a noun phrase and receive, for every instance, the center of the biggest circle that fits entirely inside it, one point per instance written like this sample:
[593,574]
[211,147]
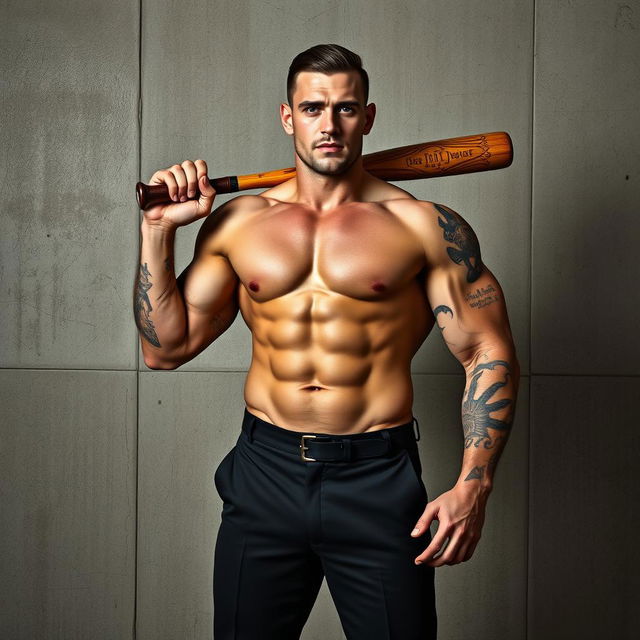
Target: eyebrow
[319,103]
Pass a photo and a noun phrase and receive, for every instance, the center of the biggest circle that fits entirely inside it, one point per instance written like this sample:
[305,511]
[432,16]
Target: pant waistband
[313,446]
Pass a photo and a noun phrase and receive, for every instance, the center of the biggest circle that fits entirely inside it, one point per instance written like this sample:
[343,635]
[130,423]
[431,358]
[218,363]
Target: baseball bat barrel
[447,157]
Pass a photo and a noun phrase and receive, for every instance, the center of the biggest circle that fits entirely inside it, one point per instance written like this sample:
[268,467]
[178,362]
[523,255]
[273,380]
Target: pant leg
[368,511]
[266,576]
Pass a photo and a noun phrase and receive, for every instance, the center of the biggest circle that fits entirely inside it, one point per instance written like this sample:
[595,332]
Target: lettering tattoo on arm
[457,231]
[476,418]
[482,297]
[142,307]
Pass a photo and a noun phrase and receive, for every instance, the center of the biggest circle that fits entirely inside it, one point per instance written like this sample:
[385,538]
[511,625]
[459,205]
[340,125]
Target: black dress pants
[345,514]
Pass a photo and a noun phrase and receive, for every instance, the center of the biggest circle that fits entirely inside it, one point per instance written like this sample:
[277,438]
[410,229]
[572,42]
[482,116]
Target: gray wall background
[108,512]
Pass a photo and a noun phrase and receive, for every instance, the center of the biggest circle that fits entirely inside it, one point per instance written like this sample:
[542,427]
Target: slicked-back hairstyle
[326,58]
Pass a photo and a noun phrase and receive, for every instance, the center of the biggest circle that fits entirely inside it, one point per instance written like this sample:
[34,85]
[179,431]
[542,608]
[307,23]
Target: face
[328,109]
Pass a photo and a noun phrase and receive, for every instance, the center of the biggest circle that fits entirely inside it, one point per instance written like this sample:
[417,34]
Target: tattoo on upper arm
[142,307]
[442,308]
[476,418]
[482,297]
[457,231]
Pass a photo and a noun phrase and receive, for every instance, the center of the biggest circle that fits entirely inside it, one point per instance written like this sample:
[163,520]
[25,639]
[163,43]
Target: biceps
[471,316]
[209,287]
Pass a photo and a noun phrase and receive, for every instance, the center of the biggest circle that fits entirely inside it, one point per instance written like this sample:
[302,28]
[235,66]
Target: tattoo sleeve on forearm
[142,307]
[476,411]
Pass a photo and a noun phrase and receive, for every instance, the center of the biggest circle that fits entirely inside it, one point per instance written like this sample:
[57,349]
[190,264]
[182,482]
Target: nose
[329,122]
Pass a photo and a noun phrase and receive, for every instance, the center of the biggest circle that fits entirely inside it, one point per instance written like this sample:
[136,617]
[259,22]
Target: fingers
[207,192]
[185,180]
[449,555]
[191,176]
[436,544]
[202,179]
[425,520]
[185,177]
[463,552]
[166,176]
[470,549]
[459,547]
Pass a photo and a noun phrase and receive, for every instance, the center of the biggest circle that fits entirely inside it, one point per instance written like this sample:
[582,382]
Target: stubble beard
[318,166]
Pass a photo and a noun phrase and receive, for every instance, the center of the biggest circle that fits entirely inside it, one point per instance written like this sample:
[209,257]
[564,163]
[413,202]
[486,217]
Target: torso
[336,308]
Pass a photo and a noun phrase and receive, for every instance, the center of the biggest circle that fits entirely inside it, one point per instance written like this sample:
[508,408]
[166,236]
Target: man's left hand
[460,515]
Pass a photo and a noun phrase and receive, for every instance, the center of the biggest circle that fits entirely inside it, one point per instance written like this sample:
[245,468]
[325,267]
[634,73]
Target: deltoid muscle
[457,231]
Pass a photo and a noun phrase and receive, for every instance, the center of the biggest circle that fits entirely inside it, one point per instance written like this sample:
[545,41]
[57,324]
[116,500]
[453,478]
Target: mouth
[330,147]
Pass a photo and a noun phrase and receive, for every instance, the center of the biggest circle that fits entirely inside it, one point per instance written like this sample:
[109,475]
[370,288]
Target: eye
[307,108]
[347,107]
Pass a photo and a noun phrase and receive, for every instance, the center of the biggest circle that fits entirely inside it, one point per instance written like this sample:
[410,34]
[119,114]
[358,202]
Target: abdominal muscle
[338,409]
[339,376]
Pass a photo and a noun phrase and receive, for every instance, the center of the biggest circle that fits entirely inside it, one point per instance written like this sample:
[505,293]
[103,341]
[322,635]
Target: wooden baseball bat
[452,156]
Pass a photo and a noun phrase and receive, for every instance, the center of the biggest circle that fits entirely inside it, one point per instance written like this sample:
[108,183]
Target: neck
[324,193]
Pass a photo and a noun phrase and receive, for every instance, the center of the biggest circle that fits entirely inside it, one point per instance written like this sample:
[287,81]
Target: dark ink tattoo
[441,309]
[457,231]
[475,474]
[142,307]
[482,297]
[476,420]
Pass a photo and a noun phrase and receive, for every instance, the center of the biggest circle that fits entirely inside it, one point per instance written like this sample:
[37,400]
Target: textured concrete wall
[67,504]
[69,229]
[585,353]
[109,512]
[68,88]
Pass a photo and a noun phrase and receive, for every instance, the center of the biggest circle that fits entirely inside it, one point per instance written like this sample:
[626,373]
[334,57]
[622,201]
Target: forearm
[158,306]
[488,407]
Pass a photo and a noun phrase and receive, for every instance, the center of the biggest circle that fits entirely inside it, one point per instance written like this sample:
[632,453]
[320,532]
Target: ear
[370,112]
[286,118]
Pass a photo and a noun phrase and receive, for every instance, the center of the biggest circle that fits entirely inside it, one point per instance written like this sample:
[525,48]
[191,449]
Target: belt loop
[252,424]
[417,429]
[385,434]
[346,444]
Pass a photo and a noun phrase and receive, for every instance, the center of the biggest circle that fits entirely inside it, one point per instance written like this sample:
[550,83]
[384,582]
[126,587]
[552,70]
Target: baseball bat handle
[448,157]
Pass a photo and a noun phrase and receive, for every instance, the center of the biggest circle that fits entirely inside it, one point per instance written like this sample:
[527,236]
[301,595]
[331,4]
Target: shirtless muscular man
[340,277]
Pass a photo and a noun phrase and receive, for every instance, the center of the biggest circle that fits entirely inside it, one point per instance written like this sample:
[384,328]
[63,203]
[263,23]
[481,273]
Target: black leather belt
[322,447]
[314,448]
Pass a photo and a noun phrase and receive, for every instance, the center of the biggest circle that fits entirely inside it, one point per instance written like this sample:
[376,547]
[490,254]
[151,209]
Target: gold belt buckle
[303,448]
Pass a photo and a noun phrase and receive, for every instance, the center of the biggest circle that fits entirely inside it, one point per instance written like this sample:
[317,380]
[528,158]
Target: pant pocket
[414,468]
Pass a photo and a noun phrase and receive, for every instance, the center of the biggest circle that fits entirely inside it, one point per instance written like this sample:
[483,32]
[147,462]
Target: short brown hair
[326,58]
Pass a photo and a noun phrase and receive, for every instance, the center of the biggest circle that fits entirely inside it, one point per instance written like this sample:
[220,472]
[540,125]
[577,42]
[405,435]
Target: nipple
[378,286]
[254,286]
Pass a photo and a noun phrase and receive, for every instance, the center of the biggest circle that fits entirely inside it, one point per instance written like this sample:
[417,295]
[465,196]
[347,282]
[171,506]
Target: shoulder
[226,219]
[448,239]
